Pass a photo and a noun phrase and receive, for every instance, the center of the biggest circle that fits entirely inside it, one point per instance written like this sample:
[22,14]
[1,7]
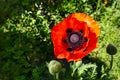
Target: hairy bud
[111,49]
[54,67]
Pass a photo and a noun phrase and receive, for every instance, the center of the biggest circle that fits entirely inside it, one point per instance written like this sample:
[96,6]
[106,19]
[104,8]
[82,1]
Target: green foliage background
[26,47]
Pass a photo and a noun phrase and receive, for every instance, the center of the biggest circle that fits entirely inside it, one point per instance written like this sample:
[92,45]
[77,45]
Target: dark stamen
[64,41]
[81,31]
[69,49]
[69,30]
[85,39]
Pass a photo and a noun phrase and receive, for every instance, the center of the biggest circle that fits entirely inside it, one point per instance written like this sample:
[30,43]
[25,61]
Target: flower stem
[57,76]
[111,62]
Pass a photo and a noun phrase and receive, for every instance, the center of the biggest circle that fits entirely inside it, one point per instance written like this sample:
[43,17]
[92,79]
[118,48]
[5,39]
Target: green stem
[98,5]
[74,69]
[111,62]
[57,76]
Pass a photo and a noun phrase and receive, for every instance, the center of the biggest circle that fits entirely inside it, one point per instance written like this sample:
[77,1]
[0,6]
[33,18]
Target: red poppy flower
[75,36]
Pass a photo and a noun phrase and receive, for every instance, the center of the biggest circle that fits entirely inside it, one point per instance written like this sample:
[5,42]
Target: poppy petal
[89,20]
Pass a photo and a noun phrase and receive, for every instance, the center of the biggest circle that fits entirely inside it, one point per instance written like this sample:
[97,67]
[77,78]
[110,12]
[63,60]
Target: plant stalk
[111,62]
[57,76]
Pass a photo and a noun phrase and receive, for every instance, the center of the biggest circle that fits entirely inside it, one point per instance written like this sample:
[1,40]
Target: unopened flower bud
[54,67]
[111,49]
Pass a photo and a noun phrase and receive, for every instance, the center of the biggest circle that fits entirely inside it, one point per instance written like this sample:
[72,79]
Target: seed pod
[54,67]
[111,49]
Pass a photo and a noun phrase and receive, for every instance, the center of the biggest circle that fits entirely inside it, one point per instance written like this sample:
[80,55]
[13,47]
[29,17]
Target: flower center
[75,39]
